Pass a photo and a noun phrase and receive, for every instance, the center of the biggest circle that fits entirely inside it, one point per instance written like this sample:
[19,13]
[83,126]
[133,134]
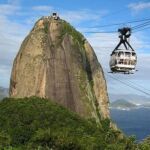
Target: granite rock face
[55,61]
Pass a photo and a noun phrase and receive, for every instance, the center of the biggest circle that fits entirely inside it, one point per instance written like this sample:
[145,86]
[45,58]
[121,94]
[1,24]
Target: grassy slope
[31,123]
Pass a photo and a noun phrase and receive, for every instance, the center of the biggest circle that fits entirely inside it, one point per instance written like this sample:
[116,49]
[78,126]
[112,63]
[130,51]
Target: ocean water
[133,122]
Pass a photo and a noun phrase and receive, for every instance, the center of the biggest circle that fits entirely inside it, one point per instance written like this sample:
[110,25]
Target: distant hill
[121,103]
[146,105]
[136,99]
[3,92]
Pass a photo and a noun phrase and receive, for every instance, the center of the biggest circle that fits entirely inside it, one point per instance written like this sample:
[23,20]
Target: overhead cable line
[115,13]
[131,86]
[138,85]
[101,32]
[120,23]
[141,29]
[141,25]
[136,28]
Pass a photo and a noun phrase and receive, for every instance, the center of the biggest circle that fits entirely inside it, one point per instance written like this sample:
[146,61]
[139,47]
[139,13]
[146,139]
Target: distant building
[55,16]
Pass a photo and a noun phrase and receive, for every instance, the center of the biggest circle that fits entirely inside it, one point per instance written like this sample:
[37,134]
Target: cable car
[123,60]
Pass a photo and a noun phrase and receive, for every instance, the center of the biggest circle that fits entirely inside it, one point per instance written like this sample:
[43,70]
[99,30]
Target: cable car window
[116,54]
[132,62]
[121,61]
[125,61]
[120,53]
[133,54]
[113,53]
[128,54]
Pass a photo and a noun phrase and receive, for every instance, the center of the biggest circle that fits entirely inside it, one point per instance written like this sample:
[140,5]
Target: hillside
[121,103]
[36,123]
[33,123]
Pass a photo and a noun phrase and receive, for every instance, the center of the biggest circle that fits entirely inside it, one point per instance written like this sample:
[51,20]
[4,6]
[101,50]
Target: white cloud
[78,16]
[14,2]
[7,9]
[11,35]
[42,8]
[139,6]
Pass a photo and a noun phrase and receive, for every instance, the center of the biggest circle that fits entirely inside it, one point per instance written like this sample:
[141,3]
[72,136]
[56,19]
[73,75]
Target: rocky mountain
[55,61]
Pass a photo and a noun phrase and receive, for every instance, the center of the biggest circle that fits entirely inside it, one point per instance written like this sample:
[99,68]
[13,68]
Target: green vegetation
[145,145]
[36,123]
[46,26]
[77,36]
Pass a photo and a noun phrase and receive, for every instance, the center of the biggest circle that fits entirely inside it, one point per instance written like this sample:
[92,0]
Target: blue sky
[17,18]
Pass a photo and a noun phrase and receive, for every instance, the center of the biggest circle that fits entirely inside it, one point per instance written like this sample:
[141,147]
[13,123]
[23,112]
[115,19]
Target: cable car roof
[123,50]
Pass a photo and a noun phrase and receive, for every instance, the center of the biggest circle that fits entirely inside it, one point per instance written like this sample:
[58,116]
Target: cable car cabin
[123,61]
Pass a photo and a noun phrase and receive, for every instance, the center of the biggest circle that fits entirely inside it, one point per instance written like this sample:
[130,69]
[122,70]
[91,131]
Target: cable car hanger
[125,33]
